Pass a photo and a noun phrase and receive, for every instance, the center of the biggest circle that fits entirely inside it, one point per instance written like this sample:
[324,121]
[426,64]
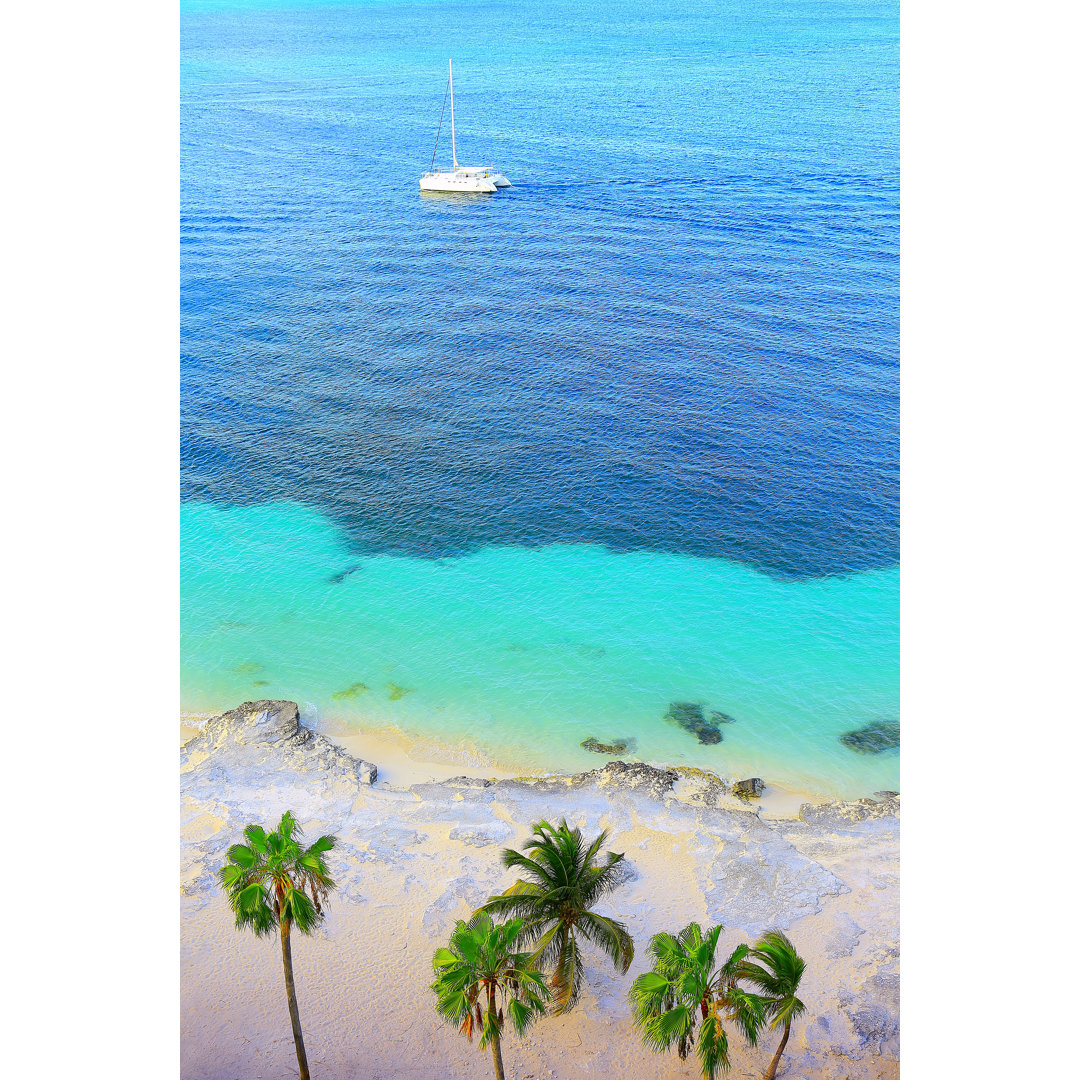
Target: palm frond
[777,973]
[689,937]
[685,986]
[712,1048]
[590,852]
[288,829]
[299,909]
[567,978]
[674,1025]
[650,995]
[747,1011]
[243,855]
[256,837]
[559,884]
[321,847]
[610,936]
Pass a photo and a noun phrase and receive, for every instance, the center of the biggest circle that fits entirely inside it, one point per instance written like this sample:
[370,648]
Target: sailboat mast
[453,141]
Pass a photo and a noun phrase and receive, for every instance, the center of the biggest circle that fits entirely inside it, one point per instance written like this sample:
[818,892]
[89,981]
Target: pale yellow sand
[362,981]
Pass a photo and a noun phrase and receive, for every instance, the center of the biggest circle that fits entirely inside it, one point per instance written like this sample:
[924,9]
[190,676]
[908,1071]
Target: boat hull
[454,182]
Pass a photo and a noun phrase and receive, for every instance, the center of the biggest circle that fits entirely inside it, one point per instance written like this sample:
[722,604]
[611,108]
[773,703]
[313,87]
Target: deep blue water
[677,332]
[503,472]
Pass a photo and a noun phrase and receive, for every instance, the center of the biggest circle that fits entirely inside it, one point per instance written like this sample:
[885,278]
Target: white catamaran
[462,178]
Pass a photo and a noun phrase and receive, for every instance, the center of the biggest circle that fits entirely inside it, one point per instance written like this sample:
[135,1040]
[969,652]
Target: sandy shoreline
[405,760]
[419,849]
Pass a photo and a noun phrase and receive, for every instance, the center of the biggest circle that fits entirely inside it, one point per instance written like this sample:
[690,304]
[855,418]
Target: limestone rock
[874,1026]
[260,755]
[257,722]
[700,788]
[837,815]
[766,882]
[497,832]
[748,789]
[636,776]
[843,938]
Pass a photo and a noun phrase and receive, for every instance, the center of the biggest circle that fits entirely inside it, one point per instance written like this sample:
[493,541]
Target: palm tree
[274,883]
[561,883]
[777,976]
[481,960]
[686,985]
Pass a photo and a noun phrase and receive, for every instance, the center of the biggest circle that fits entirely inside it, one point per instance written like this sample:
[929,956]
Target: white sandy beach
[419,849]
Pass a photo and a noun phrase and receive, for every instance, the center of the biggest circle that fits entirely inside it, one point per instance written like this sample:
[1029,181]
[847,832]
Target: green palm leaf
[273,884]
[685,988]
[776,969]
[560,881]
[481,965]
[611,937]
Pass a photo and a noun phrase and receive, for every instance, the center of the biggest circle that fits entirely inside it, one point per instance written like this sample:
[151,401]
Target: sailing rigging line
[436,150]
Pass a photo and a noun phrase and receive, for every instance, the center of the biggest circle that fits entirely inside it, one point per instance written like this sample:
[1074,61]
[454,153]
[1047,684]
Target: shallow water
[622,435]
[522,653]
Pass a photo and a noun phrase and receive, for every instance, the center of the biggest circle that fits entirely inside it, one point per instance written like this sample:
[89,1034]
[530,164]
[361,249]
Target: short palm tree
[685,986]
[275,883]
[560,884]
[776,975]
[480,967]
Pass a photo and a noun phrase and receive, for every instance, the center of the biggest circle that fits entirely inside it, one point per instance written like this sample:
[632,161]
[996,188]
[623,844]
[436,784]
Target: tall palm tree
[777,976]
[685,986]
[561,882]
[274,883]
[482,962]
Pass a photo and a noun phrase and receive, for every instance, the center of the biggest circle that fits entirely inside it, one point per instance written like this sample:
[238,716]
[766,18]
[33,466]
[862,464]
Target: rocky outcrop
[700,788]
[255,722]
[239,746]
[431,854]
[760,880]
[621,776]
[748,789]
[635,776]
[837,815]
[498,832]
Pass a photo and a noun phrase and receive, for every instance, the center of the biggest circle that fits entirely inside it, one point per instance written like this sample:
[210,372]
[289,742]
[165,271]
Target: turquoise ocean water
[508,472]
[522,653]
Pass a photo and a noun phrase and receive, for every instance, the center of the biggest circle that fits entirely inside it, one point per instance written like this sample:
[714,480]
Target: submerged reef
[616,746]
[350,692]
[875,738]
[337,579]
[690,716]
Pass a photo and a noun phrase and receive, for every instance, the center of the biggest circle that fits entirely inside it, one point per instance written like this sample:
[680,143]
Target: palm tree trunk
[496,1045]
[779,1050]
[290,989]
